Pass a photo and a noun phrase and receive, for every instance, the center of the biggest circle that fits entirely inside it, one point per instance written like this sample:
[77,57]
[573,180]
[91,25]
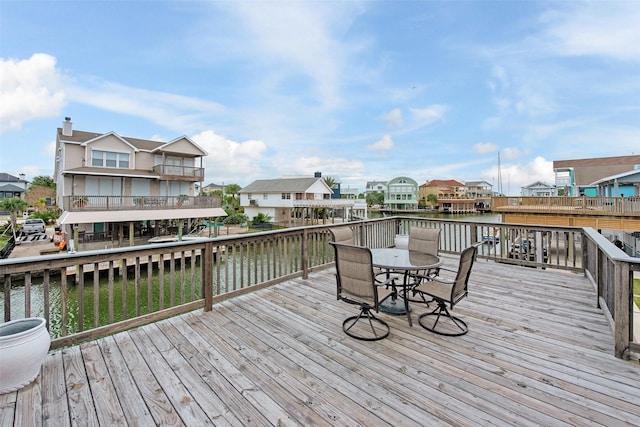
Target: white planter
[24,344]
[402,241]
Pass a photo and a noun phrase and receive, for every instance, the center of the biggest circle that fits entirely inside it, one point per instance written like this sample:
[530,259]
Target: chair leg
[379,328]
[452,328]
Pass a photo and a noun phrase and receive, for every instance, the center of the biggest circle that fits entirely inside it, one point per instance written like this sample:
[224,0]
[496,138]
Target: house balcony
[221,345]
[325,203]
[83,203]
[179,173]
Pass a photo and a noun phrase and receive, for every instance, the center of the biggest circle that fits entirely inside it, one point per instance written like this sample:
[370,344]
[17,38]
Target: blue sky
[359,90]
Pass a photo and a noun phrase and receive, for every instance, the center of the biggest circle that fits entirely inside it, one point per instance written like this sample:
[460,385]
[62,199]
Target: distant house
[626,184]
[115,187]
[539,189]
[211,188]
[12,186]
[451,195]
[478,189]
[349,192]
[294,200]
[376,187]
[402,194]
[575,177]
[481,191]
[443,189]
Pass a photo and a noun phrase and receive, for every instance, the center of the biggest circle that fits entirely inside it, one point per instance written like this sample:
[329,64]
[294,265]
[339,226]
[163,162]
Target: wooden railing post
[207,275]
[304,254]
[623,311]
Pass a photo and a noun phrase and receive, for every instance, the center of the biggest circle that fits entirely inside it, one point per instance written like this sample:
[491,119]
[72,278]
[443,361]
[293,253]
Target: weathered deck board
[538,352]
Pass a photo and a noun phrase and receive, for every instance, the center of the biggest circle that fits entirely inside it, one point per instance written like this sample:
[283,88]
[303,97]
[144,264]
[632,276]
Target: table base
[395,307]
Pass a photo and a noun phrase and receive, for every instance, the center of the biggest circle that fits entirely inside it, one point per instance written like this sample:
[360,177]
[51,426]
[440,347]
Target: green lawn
[636,291]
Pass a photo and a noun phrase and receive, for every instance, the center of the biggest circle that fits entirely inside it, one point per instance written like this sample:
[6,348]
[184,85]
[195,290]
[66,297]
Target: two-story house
[401,195]
[292,201]
[111,186]
[376,187]
[12,186]
[451,195]
[481,191]
[539,189]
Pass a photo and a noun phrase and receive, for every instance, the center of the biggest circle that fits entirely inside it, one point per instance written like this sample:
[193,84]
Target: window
[286,196]
[265,196]
[109,159]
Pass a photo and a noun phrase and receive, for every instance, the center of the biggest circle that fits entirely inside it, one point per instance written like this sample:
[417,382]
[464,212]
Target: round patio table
[395,260]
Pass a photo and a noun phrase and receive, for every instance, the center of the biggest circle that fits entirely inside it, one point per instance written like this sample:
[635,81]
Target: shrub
[235,219]
[49,217]
[261,219]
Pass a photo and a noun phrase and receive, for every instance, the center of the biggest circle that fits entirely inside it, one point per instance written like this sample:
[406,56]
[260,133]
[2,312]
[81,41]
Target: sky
[357,90]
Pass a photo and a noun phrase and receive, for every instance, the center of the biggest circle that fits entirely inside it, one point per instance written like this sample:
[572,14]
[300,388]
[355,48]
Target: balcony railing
[102,203]
[180,173]
[96,293]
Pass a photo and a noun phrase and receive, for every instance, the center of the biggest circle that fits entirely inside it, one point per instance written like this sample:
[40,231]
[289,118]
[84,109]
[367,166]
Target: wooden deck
[538,352]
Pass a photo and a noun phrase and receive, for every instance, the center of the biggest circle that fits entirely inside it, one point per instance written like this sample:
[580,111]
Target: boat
[493,237]
[173,238]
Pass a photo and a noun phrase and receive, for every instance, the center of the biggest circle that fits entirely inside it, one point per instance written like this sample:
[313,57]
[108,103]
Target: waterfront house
[376,187]
[626,184]
[451,196]
[401,195]
[115,187]
[576,177]
[539,189]
[294,200]
[481,191]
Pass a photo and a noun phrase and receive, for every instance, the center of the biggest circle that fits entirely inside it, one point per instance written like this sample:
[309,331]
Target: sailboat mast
[499,176]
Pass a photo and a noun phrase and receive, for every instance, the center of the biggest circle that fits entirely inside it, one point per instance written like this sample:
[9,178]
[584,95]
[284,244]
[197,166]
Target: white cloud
[228,160]
[485,147]
[384,144]
[518,175]
[597,29]
[29,89]
[328,166]
[301,38]
[393,117]
[429,115]
[176,112]
[511,153]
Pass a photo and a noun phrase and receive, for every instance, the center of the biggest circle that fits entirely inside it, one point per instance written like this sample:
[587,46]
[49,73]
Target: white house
[376,187]
[293,200]
[539,189]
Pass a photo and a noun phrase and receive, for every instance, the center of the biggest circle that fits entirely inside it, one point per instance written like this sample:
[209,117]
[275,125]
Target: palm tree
[13,205]
[233,189]
[331,183]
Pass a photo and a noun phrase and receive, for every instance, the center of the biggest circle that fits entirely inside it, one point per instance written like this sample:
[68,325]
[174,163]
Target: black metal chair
[356,285]
[440,320]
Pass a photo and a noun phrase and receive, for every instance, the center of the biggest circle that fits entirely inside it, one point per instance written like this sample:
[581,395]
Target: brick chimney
[67,127]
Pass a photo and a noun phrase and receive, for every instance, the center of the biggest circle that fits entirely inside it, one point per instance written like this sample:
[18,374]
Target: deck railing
[90,294]
[88,202]
[624,206]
